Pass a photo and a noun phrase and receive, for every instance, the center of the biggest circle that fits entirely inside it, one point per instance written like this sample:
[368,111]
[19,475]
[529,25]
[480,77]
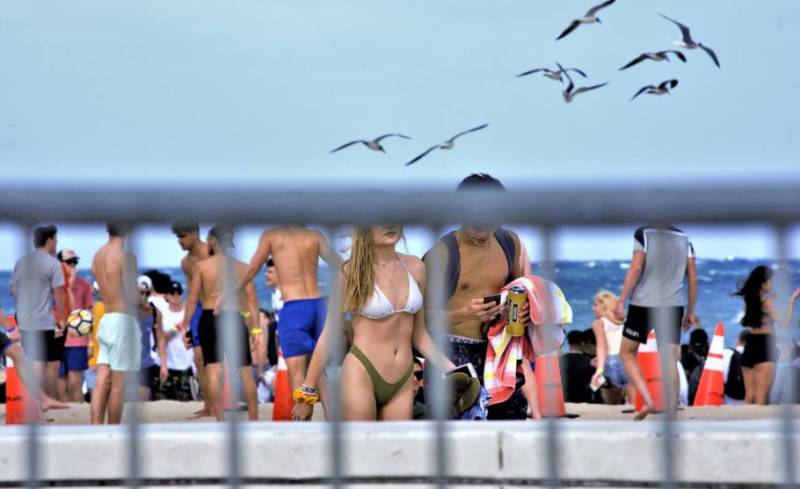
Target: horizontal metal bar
[765,202]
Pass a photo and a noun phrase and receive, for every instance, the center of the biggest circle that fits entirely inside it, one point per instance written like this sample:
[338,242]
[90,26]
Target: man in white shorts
[119,336]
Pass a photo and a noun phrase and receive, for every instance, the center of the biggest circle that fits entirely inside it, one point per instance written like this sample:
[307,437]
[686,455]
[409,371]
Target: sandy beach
[173,411]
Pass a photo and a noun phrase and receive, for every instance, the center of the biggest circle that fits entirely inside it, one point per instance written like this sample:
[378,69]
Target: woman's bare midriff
[386,342]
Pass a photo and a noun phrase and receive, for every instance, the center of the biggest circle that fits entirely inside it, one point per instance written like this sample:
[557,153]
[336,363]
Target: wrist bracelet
[599,370]
[246,314]
[306,394]
[255,331]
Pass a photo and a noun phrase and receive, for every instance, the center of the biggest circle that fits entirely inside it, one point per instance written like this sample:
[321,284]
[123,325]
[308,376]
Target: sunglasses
[144,292]
[72,261]
[418,374]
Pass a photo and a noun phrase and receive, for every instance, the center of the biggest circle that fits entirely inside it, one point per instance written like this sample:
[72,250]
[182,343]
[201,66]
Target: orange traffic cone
[549,387]
[649,362]
[283,403]
[711,390]
[21,407]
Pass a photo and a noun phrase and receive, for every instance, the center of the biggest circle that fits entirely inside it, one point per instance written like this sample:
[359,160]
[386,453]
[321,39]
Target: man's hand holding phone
[485,308]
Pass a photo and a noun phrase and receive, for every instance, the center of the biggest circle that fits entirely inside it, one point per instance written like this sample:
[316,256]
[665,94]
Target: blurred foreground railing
[538,446]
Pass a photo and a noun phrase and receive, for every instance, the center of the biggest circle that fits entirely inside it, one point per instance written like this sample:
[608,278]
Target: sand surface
[173,411]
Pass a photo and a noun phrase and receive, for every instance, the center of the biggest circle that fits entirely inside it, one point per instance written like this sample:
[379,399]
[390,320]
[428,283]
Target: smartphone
[492,298]
[467,368]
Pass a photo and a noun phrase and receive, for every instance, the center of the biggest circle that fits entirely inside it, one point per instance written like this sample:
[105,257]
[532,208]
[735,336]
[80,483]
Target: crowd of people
[173,338]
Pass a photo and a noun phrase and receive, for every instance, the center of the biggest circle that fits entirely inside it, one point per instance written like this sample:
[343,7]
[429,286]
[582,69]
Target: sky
[170,94]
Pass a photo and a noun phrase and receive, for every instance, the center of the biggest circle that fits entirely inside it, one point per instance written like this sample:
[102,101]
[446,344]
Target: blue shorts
[76,358]
[300,325]
[615,372]
[195,335]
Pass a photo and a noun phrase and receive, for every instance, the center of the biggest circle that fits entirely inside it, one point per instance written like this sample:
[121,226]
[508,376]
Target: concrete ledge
[481,454]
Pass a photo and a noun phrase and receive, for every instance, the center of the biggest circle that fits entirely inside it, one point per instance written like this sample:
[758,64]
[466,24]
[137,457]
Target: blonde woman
[608,332]
[383,291]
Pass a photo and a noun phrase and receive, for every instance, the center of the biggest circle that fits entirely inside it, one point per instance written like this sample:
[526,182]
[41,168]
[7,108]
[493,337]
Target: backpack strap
[453,269]
[506,240]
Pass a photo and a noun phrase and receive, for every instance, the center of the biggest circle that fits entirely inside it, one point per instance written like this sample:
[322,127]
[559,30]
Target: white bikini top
[379,306]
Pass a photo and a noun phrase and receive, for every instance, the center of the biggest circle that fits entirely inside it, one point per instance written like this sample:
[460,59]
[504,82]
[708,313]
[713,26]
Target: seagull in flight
[590,18]
[374,144]
[570,92]
[689,43]
[656,56]
[552,74]
[663,88]
[447,144]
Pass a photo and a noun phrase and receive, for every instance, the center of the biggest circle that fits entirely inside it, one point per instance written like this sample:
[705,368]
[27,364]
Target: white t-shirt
[178,357]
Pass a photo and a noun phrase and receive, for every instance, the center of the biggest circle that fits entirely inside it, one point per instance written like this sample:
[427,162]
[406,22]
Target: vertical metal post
[33,350]
[551,424]
[665,320]
[230,355]
[786,425]
[132,378]
[335,357]
[437,326]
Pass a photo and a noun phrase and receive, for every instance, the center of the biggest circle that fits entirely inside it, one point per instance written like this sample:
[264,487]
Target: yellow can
[517,296]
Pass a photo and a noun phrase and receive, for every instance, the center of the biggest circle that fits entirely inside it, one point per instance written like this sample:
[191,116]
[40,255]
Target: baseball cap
[144,282]
[176,288]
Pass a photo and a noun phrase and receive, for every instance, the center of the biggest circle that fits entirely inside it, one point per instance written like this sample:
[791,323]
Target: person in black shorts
[220,306]
[37,283]
[663,262]
[760,349]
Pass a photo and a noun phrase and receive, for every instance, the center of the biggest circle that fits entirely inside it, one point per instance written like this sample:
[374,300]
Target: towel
[549,312]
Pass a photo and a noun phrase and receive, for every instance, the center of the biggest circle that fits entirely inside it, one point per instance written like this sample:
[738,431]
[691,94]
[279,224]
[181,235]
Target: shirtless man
[480,261]
[118,336]
[206,289]
[189,240]
[296,252]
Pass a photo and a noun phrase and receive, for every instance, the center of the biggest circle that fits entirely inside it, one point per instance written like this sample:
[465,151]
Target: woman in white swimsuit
[383,291]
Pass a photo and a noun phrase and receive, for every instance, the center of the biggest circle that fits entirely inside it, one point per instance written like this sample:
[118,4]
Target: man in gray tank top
[663,262]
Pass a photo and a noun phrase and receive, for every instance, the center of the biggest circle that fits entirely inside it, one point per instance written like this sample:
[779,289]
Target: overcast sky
[175,93]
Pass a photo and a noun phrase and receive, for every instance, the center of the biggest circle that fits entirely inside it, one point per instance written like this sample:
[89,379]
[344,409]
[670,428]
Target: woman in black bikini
[761,316]
[383,291]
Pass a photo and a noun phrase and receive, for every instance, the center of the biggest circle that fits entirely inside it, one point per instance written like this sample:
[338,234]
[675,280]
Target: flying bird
[570,92]
[689,43]
[590,18]
[552,74]
[447,144]
[374,144]
[656,56]
[662,88]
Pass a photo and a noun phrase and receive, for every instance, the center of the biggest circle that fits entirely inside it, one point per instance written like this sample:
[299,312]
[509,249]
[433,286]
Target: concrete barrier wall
[480,453]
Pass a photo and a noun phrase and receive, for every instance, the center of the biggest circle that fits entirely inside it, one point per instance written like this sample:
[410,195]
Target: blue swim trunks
[193,325]
[300,326]
[76,358]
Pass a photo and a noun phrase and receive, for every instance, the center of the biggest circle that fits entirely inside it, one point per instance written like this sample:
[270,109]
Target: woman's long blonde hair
[360,269]
[608,300]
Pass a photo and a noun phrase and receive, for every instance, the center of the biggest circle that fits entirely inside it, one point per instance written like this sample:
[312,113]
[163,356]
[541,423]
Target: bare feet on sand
[48,403]
[648,409]
[201,413]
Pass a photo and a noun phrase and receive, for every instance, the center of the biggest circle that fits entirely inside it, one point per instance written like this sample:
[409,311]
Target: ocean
[580,280]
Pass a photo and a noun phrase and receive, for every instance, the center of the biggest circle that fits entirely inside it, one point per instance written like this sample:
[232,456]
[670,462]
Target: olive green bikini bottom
[384,391]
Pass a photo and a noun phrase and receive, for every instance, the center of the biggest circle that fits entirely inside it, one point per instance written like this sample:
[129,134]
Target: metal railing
[775,204]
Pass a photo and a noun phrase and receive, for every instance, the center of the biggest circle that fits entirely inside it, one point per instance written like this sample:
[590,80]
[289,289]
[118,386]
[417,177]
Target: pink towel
[549,312]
